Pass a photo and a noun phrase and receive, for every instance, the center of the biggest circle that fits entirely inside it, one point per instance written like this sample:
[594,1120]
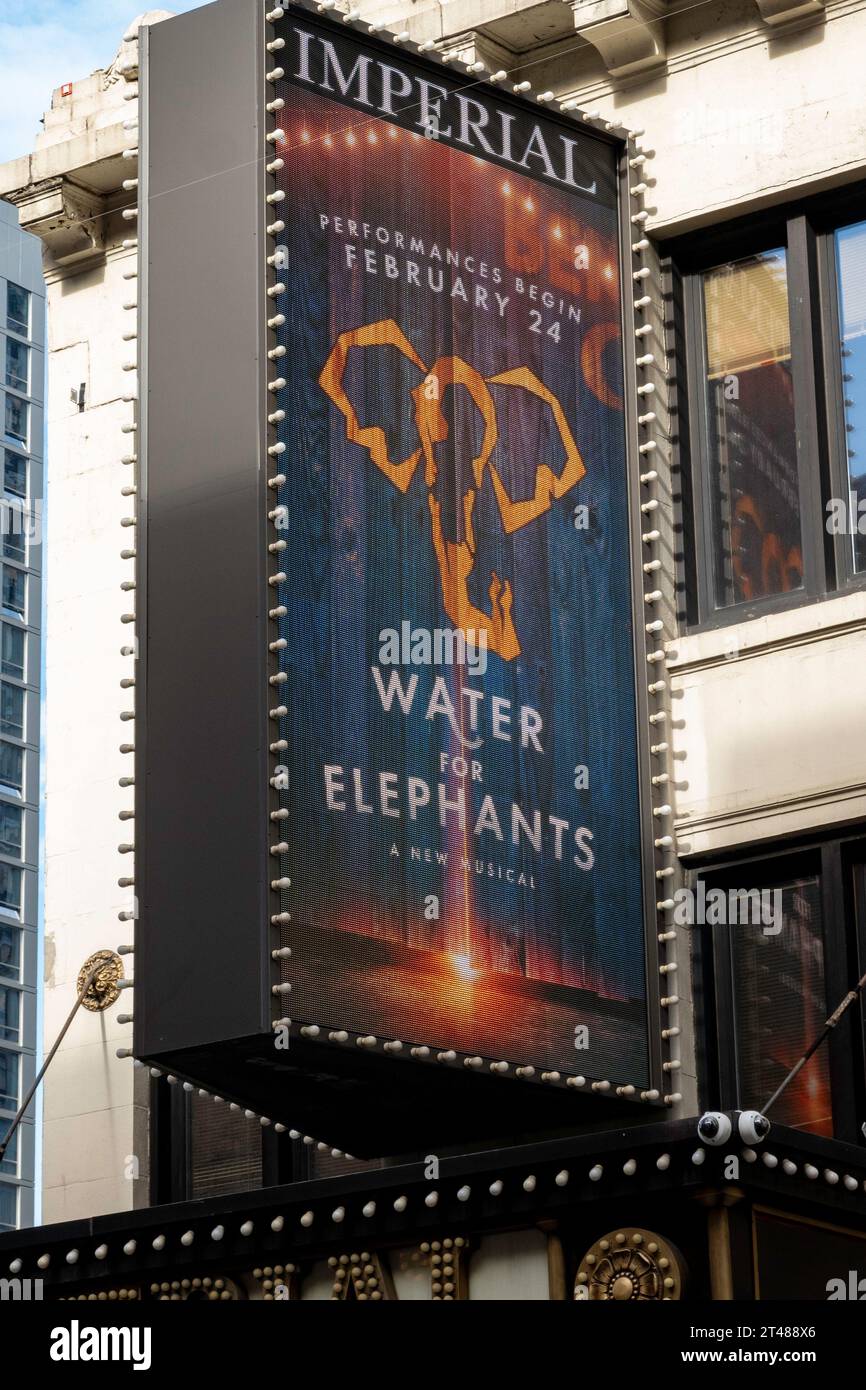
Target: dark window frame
[8,1034]
[14,869]
[21,457]
[806,229]
[17,383]
[840,866]
[17,789]
[15,325]
[171,1178]
[8,1107]
[19,573]
[9,1162]
[8,974]
[12,1188]
[23,441]
[8,683]
[7,847]
[14,673]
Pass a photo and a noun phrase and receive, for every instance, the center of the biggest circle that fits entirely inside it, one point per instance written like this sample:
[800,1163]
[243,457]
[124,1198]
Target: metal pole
[825,1032]
[4,1143]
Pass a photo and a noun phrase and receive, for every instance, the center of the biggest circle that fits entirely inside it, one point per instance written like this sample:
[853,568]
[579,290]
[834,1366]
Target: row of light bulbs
[400,1204]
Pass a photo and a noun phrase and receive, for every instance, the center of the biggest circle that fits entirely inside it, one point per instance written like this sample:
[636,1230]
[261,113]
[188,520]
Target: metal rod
[4,1143]
[824,1033]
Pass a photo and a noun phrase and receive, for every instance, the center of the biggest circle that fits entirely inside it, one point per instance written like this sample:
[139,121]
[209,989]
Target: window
[17,418]
[14,590]
[786,943]
[780,1004]
[14,540]
[10,1014]
[771,408]
[753,495]
[15,473]
[850,249]
[11,710]
[10,952]
[17,365]
[12,651]
[11,821]
[9,1161]
[8,1080]
[11,766]
[10,887]
[8,1207]
[222,1157]
[17,309]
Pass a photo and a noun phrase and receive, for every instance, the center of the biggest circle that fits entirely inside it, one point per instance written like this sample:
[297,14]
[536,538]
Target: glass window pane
[9,1161]
[8,1207]
[17,365]
[10,887]
[17,308]
[752,467]
[11,710]
[780,1005]
[851,262]
[10,952]
[14,545]
[11,823]
[12,652]
[15,473]
[223,1157]
[10,1015]
[11,767]
[16,418]
[14,584]
[8,1080]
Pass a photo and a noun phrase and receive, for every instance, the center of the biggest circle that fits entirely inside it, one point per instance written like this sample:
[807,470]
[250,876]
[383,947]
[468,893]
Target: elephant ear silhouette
[548,486]
[456,559]
[385,333]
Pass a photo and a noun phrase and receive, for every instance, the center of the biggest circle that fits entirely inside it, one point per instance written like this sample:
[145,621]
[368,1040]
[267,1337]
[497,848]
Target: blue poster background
[404,927]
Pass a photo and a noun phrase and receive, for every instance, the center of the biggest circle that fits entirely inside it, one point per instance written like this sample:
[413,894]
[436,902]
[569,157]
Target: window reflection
[753,483]
[17,308]
[16,421]
[851,261]
[780,1005]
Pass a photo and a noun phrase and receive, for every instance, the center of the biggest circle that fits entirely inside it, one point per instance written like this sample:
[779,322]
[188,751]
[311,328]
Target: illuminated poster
[460,782]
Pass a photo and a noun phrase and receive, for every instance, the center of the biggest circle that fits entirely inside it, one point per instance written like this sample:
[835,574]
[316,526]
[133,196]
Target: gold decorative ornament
[631,1265]
[102,991]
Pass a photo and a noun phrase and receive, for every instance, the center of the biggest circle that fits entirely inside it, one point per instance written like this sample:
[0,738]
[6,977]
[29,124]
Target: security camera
[753,1126]
[714,1128]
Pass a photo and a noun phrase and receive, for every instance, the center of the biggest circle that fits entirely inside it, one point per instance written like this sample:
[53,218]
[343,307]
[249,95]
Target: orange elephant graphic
[456,559]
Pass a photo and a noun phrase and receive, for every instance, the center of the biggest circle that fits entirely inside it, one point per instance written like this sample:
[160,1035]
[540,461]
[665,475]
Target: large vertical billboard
[456,774]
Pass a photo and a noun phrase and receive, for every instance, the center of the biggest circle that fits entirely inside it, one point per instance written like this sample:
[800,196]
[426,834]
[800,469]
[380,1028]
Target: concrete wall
[70,191]
[90,1116]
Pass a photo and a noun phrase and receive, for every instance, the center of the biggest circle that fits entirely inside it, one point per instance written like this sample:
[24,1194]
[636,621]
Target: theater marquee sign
[457,860]
[460,710]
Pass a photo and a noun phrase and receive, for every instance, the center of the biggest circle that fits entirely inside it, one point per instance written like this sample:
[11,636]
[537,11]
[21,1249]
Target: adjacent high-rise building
[22,364]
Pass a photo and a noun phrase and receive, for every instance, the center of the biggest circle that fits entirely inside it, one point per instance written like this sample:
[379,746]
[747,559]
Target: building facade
[22,350]
[744,125]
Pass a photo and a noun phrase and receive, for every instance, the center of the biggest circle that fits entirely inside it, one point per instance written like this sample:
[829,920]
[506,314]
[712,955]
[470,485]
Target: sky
[43,45]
